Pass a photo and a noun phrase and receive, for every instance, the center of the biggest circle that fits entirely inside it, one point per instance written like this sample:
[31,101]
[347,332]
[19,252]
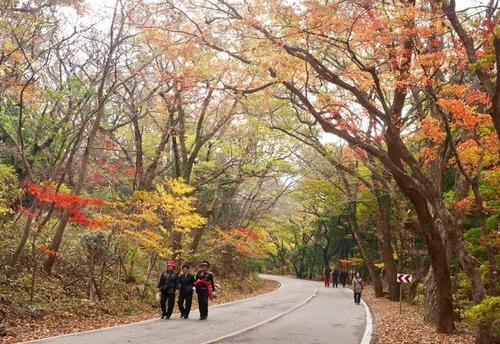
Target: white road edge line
[264,321]
[367,335]
[155,319]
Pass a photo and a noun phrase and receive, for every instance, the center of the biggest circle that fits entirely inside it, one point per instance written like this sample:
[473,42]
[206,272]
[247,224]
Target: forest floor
[23,325]
[409,327]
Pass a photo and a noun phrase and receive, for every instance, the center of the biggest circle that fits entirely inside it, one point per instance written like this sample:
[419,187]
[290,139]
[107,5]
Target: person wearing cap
[186,286]
[205,288]
[167,285]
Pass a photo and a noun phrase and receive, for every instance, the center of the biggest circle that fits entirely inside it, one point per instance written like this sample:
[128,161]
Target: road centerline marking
[266,321]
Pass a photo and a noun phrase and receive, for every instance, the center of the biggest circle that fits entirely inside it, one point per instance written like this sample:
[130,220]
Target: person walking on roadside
[335,278]
[357,287]
[186,286]
[343,277]
[167,286]
[205,288]
[326,275]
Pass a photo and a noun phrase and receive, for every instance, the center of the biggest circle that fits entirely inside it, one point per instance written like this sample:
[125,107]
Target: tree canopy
[265,134]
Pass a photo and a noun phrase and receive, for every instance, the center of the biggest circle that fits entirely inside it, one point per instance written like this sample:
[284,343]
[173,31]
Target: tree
[54,200]
[365,81]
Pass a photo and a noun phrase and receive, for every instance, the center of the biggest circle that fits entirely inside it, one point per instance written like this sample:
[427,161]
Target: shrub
[484,316]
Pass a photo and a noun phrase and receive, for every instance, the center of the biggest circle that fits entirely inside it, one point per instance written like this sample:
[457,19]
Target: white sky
[99,5]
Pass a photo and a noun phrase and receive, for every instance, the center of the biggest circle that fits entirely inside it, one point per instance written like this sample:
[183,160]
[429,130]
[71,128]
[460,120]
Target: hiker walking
[343,277]
[357,287]
[167,286]
[326,275]
[335,277]
[186,286]
[205,288]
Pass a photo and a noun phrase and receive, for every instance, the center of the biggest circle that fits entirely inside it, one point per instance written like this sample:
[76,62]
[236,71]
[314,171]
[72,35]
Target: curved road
[298,312]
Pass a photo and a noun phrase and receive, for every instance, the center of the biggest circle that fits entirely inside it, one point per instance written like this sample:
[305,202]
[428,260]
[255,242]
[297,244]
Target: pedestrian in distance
[326,275]
[205,288]
[357,287]
[343,277]
[186,287]
[167,286]
[335,278]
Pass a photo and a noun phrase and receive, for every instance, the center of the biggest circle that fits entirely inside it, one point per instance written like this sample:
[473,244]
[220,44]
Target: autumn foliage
[268,135]
[73,204]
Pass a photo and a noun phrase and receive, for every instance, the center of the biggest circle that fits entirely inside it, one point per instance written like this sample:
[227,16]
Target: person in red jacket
[167,285]
[205,288]
[326,275]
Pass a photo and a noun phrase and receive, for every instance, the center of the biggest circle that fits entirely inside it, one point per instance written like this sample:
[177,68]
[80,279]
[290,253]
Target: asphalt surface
[298,312]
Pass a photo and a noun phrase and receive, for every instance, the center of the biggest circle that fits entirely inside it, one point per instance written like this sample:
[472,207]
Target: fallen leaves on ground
[408,327]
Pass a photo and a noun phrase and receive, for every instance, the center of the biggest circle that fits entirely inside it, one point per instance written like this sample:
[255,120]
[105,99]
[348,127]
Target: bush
[485,317]
[36,310]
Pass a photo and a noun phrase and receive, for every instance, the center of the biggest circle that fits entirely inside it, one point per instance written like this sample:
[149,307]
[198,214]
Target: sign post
[400,297]
[402,279]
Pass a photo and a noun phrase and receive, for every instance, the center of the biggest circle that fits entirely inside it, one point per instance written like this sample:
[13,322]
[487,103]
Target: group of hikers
[187,284]
[203,283]
[341,275]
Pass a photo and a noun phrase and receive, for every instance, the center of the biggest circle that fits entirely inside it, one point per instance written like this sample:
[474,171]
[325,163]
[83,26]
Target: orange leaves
[432,60]
[463,114]
[472,152]
[352,152]
[462,102]
[457,90]
[479,143]
[431,132]
[477,96]
[428,154]
[48,252]
[245,232]
[464,204]
[242,239]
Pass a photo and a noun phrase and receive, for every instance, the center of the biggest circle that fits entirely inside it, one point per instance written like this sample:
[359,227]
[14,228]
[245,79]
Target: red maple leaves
[45,193]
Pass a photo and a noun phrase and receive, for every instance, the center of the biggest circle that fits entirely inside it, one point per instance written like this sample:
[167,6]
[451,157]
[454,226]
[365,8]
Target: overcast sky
[98,5]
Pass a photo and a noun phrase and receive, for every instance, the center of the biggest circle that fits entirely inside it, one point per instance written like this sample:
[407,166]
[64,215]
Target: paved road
[301,312]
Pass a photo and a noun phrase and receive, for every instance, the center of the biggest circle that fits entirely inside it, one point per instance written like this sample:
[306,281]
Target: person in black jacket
[205,288]
[335,278]
[167,285]
[343,277]
[186,285]
[326,275]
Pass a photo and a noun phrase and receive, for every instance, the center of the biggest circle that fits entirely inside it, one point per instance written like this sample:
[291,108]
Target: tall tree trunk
[435,241]
[495,108]
[431,307]
[441,284]
[116,38]
[384,235]
[22,242]
[151,264]
[139,163]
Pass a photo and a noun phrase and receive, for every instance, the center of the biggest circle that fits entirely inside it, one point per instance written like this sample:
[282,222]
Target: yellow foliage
[149,217]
